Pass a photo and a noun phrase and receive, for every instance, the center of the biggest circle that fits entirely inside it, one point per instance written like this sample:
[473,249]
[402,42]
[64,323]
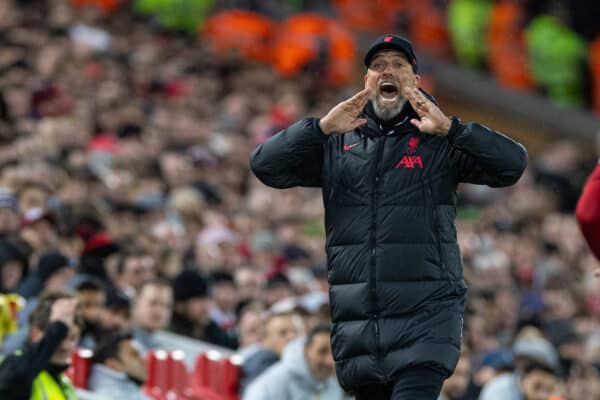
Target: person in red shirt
[588,208]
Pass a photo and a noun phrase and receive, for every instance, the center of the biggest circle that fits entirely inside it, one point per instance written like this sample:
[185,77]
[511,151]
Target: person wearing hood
[37,370]
[536,375]
[389,162]
[191,316]
[306,371]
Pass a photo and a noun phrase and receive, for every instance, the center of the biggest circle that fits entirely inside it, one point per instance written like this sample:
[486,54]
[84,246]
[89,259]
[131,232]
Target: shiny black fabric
[397,293]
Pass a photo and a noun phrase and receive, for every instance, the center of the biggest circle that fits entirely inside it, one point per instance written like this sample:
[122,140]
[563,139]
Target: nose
[386,75]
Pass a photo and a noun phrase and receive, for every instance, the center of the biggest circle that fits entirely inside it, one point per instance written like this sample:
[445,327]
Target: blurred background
[125,132]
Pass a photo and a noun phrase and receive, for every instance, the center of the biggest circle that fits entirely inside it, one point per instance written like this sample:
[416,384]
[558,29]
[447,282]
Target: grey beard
[386,113]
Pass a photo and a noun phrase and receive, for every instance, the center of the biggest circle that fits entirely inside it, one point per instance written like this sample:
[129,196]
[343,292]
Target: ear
[417,80]
[35,334]
[365,79]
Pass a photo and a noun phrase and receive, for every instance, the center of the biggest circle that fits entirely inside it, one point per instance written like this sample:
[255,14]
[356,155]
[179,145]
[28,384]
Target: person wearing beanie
[53,272]
[389,162]
[191,315]
[536,375]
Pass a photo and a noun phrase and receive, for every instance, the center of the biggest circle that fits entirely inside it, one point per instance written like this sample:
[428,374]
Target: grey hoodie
[290,379]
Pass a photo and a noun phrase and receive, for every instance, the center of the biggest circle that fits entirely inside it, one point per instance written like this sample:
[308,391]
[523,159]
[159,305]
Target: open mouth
[388,90]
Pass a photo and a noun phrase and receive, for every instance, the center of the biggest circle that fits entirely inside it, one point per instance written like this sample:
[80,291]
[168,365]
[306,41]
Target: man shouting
[389,162]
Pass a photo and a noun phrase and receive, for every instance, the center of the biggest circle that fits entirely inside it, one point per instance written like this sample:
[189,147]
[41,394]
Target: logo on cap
[388,38]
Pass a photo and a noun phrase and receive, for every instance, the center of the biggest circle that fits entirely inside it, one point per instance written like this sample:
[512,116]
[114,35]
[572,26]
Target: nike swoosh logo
[349,146]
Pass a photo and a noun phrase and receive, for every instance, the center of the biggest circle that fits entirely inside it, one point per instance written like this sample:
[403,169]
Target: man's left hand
[431,119]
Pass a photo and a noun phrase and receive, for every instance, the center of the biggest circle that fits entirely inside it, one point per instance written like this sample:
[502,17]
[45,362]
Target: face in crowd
[280,330]
[152,307]
[318,356]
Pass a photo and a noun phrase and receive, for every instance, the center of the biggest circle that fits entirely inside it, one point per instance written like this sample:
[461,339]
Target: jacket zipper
[436,225]
[373,271]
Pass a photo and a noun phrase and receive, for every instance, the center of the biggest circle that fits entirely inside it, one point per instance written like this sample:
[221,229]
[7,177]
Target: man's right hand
[63,310]
[343,117]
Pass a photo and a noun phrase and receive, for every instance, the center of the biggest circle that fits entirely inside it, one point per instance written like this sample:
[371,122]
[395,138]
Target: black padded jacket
[396,285]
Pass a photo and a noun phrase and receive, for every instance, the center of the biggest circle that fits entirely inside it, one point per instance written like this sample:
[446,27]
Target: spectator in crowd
[280,330]
[306,370]
[39,231]
[151,312]
[468,22]
[191,315]
[37,371]
[557,69]
[536,375]
[278,288]
[118,369]
[53,272]
[13,266]
[134,268]
[492,364]
[117,316]
[9,217]
[224,294]
[92,307]
[250,284]
[251,330]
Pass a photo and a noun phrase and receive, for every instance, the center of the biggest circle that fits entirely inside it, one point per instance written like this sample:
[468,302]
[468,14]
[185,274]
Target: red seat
[79,371]
[178,380]
[217,377]
[157,382]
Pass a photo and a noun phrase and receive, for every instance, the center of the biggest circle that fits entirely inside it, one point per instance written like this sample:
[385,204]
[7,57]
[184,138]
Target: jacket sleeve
[258,390]
[588,212]
[484,156]
[18,371]
[292,157]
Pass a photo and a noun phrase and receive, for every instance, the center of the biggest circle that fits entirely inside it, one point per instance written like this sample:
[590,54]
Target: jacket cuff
[318,126]
[454,128]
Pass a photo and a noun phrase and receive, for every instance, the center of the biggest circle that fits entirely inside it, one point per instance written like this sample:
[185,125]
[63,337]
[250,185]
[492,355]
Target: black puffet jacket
[397,293]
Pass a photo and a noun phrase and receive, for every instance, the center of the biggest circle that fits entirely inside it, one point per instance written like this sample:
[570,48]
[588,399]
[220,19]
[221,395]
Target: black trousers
[414,383]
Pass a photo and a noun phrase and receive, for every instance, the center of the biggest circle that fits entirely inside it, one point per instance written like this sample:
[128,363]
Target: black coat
[18,371]
[397,293]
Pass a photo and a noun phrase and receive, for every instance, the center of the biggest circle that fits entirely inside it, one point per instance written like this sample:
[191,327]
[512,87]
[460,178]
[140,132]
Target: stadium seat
[157,383]
[79,371]
[216,377]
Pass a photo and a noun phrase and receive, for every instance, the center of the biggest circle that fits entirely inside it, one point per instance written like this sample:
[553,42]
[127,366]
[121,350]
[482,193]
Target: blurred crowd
[124,181]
